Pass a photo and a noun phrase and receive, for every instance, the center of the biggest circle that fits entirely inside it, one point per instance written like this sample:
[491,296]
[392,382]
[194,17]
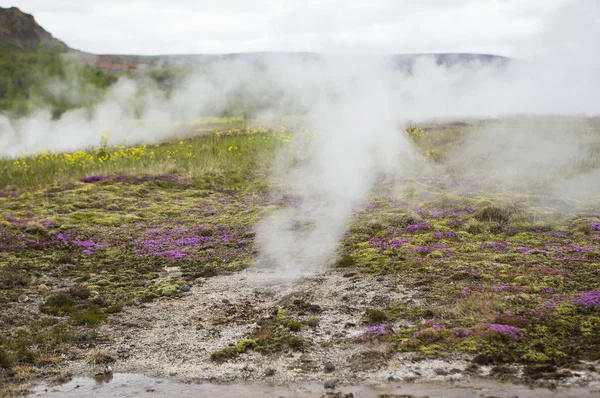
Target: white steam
[357,107]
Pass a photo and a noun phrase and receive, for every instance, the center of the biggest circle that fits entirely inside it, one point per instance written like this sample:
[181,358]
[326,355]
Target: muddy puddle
[133,385]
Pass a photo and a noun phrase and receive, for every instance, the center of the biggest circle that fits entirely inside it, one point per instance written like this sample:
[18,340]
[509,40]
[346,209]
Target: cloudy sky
[225,26]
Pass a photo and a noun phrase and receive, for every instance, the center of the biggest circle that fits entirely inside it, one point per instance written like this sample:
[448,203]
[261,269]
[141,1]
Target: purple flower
[374,332]
[504,330]
[561,235]
[596,226]
[546,290]
[421,225]
[462,332]
[501,287]
[92,179]
[497,246]
[14,194]
[588,300]
[445,234]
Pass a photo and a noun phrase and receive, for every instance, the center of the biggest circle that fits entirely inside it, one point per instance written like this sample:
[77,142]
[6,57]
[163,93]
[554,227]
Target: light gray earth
[174,338]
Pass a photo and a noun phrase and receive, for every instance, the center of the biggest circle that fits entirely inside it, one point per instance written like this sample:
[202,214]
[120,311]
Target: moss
[474,226]
[58,304]
[293,325]
[114,309]
[91,317]
[96,218]
[235,350]
[431,350]
[345,262]
[374,316]
[436,254]
[6,359]
[313,322]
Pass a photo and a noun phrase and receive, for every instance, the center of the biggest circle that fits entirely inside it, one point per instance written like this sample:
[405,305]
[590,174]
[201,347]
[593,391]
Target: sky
[150,27]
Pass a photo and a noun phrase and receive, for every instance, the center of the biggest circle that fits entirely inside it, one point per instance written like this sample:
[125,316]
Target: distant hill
[20,30]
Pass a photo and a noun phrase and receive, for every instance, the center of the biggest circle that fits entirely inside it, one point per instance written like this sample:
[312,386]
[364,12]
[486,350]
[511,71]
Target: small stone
[225,301]
[123,348]
[137,302]
[441,372]
[84,337]
[330,384]
[270,372]
[328,368]
[380,279]
[184,288]
[45,290]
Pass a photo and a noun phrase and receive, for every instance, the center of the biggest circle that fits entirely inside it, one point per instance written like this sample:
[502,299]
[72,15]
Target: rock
[269,372]
[482,359]
[23,298]
[225,301]
[123,348]
[45,290]
[441,372]
[380,279]
[84,337]
[330,384]
[137,302]
[184,288]
[328,368]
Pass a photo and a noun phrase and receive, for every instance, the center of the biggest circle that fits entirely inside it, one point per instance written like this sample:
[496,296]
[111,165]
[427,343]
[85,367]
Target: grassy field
[504,275]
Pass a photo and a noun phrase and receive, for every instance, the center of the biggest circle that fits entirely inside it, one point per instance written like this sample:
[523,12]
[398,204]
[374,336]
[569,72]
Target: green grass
[228,158]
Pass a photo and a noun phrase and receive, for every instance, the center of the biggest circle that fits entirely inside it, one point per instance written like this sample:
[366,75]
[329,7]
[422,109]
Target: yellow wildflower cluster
[279,133]
[415,132]
[135,153]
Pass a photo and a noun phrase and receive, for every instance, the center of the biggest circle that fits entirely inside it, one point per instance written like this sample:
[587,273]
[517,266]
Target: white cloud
[223,26]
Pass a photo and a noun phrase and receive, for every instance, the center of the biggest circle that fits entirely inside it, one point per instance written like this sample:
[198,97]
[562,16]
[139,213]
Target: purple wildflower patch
[588,300]
[546,290]
[445,235]
[92,179]
[596,226]
[512,332]
[415,227]
[374,332]
[462,332]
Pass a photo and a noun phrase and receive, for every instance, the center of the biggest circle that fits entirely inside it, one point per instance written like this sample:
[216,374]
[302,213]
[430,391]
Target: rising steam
[357,108]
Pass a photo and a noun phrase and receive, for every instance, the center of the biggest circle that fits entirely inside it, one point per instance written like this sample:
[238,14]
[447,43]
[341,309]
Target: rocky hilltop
[18,29]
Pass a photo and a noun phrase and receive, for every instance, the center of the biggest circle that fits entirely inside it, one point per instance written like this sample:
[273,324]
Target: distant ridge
[20,30]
